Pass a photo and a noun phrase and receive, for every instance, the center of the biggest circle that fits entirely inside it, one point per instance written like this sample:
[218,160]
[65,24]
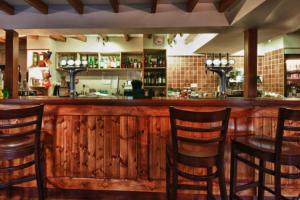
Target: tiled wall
[273,71]
[184,70]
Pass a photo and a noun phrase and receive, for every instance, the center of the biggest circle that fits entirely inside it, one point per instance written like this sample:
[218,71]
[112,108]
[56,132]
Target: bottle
[101,63]
[146,79]
[163,80]
[159,82]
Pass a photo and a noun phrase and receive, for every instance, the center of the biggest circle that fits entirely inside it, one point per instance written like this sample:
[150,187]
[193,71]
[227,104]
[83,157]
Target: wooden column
[250,63]
[11,62]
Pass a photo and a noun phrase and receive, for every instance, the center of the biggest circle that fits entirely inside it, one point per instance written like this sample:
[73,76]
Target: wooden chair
[209,153]
[20,133]
[283,150]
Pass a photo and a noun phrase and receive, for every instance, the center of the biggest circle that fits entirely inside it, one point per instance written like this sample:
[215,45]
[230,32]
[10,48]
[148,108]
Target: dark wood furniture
[20,133]
[284,150]
[197,141]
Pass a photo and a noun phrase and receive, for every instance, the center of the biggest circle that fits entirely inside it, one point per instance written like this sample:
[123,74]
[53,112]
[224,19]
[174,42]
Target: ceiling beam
[115,5]
[154,6]
[34,37]
[2,40]
[39,5]
[59,38]
[81,38]
[225,4]
[127,37]
[190,5]
[77,5]
[6,7]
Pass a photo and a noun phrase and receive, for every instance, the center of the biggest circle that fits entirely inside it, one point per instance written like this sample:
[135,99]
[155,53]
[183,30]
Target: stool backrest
[288,121]
[21,123]
[187,126]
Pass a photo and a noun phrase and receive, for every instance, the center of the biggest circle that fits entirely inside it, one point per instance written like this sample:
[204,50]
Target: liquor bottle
[163,80]
[159,82]
[118,63]
[35,59]
[146,79]
[101,62]
[90,62]
[158,61]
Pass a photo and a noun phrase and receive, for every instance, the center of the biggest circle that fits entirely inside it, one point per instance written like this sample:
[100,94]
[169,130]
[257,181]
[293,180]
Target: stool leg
[174,185]
[39,175]
[233,172]
[222,183]
[168,177]
[277,182]
[209,184]
[261,180]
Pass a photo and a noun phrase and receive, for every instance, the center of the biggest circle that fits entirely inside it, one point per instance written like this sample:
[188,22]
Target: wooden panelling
[123,148]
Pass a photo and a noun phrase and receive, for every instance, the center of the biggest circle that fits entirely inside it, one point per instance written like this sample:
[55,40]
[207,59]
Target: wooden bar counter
[119,144]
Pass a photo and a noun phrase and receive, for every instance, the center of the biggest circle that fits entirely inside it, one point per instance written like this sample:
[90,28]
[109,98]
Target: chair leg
[168,178]
[209,184]
[222,183]
[277,182]
[261,180]
[233,172]
[174,185]
[39,175]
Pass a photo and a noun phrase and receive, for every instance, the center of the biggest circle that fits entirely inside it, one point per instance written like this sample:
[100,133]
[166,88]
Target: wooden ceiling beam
[127,37]
[2,40]
[59,38]
[225,4]
[154,6]
[34,37]
[6,7]
[115,5]
[77,5]
[39,5]
[190,5]
[81,38]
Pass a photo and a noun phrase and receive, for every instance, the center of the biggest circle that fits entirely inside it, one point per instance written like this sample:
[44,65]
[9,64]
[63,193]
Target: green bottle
[5,93]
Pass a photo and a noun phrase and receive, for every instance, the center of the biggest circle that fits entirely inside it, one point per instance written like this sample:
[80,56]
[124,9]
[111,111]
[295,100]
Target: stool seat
[283,150]
[199,156]
[264,147]
[20,142]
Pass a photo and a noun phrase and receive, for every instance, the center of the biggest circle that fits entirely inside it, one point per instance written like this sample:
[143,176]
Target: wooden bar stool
[205,134]
[20,132]
[283,150]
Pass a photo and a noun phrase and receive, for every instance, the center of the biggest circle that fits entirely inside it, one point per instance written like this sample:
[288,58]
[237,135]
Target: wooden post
[11,62]
[250,63]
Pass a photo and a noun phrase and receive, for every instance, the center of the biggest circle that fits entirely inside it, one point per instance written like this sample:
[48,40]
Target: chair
[283,150]
[205,134]
[20,133]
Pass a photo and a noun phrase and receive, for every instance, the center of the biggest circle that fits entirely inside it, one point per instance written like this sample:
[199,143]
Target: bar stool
[20,132]
[204,152]
[283,150]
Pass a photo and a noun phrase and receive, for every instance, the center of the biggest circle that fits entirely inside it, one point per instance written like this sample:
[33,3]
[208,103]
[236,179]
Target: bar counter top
[157,101]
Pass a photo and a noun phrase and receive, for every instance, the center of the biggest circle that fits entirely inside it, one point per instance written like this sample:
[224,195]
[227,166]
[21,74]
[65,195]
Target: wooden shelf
[154,86]
[293,72]
[107,69]
[154,68]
